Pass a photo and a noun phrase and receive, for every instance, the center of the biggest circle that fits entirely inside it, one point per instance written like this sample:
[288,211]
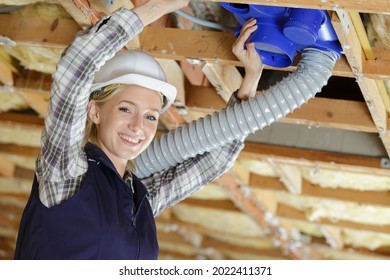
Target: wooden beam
[225,78]
[378,68]
[168,229]
[333,236]
[7,167]
[34,31]
[223,205]
[27,120]
[15,186]
[352,48]
[378,198]
[171,119]
[6,76]
[226,248]
[366,6]
[86,13]
[80,11]
[175,77]
[333,113]
[252,208]
[163,222]
[289,175]
[202,98]
[8,233]
[35,99]
[369,54]
[34,80]
[211,46]
[312,158]
[20,150]
[205,45]
[20,129]
[288,212]
[319,111]
[349,253]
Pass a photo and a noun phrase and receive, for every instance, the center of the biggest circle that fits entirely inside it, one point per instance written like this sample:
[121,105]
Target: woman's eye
[151,118]
[124,109]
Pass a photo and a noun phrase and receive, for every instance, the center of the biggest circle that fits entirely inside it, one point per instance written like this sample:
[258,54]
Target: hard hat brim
[168,90]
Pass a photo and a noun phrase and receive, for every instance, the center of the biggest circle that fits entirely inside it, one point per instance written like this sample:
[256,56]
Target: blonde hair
[100,97]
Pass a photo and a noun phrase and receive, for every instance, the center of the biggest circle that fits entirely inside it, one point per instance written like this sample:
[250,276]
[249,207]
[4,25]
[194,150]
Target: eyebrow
[132,103]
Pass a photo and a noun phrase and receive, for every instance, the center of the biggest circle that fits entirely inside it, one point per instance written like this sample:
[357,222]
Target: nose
[136,122]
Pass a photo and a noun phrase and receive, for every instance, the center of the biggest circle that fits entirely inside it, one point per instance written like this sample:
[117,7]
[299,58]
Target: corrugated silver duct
[219,128]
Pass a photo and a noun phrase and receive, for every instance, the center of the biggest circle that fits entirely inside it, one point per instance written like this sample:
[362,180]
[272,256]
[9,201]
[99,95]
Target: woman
[85,202]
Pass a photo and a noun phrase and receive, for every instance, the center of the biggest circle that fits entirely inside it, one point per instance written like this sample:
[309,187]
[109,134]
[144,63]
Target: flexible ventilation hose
[238,121]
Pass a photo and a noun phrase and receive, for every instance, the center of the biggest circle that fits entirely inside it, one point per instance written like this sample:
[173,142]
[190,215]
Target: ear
[93,112]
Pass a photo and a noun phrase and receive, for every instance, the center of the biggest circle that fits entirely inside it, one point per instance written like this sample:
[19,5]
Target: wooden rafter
[161,42]
[315,159]
[378,198]
[19,130]
[367,6]
[37,100]
[86,13]
[349,39]
[6,76]
[213,50]
[225,78]
[257,212]
[285,211]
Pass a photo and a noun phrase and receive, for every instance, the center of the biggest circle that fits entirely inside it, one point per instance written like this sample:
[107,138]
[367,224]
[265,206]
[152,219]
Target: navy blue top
[103,220]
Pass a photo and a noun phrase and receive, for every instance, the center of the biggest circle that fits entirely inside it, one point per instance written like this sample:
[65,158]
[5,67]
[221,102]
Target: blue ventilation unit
[283,32]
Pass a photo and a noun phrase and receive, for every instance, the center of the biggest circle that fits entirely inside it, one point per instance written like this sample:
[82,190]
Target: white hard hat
[135,68]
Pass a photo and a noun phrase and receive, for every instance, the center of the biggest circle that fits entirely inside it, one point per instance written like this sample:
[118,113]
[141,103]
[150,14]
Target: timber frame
[210,57]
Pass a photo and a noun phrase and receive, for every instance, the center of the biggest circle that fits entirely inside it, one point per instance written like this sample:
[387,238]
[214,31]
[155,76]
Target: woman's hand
[152,10]
[250,58]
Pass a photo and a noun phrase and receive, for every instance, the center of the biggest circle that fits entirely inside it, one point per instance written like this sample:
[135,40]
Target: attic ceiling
[315,185]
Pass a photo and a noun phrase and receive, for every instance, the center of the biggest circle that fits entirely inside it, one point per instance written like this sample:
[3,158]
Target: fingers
[249,27]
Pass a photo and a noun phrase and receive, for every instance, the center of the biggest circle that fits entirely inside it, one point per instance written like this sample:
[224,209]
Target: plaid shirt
[62,164]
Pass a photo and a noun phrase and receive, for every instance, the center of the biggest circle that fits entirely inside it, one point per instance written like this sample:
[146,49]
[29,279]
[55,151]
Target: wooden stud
[225,78]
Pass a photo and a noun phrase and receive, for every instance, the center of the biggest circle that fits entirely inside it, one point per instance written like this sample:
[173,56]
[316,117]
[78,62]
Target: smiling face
[127,123]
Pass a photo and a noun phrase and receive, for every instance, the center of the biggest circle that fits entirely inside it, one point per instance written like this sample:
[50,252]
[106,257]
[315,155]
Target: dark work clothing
[98,222]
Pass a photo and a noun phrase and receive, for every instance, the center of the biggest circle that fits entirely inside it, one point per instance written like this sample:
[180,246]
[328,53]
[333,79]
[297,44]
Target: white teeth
[128,139]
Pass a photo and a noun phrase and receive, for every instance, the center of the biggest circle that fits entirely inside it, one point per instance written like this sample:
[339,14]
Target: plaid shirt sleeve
[62,162]
[166,188]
